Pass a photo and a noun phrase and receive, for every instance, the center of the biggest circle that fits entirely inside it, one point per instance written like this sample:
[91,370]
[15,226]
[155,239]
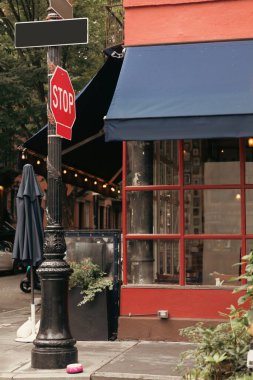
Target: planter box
[93,320]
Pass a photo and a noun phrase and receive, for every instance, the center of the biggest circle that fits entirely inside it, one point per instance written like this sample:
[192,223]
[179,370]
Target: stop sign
[62,102]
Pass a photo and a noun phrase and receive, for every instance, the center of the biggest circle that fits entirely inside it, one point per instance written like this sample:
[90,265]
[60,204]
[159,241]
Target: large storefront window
[189,211]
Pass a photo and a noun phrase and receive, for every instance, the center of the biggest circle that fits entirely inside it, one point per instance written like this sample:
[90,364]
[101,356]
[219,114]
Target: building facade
[180,108]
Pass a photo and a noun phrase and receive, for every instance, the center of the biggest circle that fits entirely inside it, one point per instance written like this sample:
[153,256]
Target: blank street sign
[51,33]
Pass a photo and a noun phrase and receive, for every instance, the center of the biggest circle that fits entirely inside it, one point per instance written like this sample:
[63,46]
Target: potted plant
[89,301]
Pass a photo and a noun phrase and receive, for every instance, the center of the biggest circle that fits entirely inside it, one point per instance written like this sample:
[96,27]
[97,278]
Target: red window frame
[181,187]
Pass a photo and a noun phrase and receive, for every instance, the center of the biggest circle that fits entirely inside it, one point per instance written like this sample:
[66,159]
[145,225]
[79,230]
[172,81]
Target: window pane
[152,163]
[212,161]
[153,261]
[248,163]
[249,211]
[249,246]
[166,163]
[212,211]
[193,261]
[140,261]
[211,262]
[193,211]
[168,259]
[140,163]
[151,212]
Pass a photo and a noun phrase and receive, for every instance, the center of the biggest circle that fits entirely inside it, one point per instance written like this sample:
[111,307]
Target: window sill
[173,286]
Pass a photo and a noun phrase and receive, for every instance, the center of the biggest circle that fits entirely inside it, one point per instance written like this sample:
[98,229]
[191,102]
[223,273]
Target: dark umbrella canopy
[29,237]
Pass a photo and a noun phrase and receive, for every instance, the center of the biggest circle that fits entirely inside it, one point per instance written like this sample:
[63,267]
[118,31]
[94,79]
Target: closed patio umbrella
[29,237]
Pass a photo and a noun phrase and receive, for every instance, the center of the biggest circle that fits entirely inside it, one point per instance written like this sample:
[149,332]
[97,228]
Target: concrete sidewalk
[116,360]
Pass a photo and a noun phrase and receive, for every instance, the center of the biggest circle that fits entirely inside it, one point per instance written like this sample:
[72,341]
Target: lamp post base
[54,345]
[53,358]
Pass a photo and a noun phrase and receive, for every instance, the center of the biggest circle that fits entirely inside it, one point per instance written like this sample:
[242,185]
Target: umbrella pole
[32,301]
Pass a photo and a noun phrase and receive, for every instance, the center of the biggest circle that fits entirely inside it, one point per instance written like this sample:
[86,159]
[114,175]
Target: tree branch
[13,9]
[8,25]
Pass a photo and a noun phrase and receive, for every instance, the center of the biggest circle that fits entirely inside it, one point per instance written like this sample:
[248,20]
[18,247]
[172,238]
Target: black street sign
[51,33]
[62,7]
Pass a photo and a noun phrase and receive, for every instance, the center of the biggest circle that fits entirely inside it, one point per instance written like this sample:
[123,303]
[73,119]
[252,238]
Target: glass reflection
[211,262]
[249,211]
[212,211]
[211,161]
[153,262]
[152,163]
[153,212]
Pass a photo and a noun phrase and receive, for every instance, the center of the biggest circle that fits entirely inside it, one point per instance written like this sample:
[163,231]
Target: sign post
[62,7]
[54,346]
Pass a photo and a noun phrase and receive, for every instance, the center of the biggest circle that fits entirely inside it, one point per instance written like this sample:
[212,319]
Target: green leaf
[242,299]
[250,315]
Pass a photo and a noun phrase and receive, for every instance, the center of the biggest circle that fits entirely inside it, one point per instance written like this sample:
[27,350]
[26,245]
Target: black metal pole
[54,345]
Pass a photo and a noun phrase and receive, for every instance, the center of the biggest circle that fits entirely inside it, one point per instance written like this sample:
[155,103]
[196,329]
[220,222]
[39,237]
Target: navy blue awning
[200,90]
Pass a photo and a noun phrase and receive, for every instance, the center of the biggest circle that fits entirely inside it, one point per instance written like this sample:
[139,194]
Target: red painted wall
[180,303]
[150,22]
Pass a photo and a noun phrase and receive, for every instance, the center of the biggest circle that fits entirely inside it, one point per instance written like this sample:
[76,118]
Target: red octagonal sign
[62,102]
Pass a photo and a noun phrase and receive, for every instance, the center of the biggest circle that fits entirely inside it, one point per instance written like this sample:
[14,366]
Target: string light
[25,155]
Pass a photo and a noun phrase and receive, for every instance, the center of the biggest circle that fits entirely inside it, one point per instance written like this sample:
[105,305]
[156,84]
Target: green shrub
[221,351]
[89,278]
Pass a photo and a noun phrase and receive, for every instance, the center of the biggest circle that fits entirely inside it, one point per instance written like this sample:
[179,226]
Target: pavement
[102,360]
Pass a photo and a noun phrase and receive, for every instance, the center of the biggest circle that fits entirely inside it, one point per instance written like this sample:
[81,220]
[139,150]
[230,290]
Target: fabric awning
[199,90]
[87,151]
